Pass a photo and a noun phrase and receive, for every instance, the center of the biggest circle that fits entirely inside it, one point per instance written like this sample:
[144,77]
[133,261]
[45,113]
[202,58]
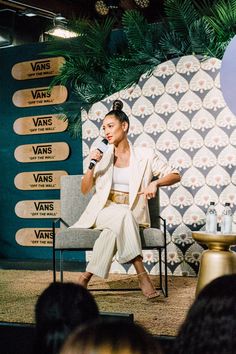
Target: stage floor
[19,290]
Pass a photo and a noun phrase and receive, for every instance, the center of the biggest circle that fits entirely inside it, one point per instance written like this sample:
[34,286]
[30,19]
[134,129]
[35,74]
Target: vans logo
[42,121]
[40,93]
[40,65]
[43,234]
[44,206]
[42,149]
[43,177]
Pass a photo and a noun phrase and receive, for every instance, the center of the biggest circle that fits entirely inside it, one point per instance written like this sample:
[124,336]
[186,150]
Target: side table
[217,260]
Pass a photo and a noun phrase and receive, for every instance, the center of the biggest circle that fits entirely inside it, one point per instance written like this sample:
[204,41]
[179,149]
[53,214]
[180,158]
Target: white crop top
[120,179]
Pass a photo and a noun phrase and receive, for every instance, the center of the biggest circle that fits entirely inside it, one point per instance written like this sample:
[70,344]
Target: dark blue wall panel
[9,167]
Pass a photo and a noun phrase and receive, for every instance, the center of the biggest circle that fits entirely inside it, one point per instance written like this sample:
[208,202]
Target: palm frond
[94,69]
[136,28]
[204,6]
[97,37]
[201,37]
[217,49]
[90,93]
[125,72]
[143,39]
[71,111]
[75,128]
[223,19]
[180,15]
[175,45]
[79,25]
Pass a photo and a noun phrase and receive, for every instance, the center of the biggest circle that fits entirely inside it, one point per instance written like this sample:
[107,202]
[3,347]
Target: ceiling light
[61,31]
[142,3]
[29,13]
[59,17]
[60,28]
[101,7]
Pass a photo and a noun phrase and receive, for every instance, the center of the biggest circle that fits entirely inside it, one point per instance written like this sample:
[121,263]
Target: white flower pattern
[179,109]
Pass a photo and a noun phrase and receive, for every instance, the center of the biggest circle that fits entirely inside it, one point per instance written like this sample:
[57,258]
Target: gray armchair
[73,203]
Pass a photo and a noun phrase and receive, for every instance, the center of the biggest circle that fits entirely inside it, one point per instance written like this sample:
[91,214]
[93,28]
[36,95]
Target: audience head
[110,337]
[210,325]
[61,308]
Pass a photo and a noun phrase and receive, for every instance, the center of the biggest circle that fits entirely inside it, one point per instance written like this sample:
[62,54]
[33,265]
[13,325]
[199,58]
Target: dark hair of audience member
[111,337]
[59,309]
[210,325]
[118,113]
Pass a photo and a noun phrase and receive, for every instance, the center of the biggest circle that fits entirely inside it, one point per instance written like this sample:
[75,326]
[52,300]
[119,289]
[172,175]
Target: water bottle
[211,218]
[226,222]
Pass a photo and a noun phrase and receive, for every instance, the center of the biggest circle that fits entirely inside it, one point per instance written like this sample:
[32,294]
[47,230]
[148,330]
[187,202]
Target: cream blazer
[144,164]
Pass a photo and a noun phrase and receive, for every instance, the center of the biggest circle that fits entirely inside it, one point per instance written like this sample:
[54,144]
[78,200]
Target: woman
[122,179]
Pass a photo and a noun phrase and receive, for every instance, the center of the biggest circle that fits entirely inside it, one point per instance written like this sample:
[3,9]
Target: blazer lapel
[137,168]
[106,169]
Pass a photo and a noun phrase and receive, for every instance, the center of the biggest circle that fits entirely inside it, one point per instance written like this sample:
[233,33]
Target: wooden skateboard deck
[39,180]
[43,124]
[35,237]
[34,69]
[43,152]
[40,96]
[38,209]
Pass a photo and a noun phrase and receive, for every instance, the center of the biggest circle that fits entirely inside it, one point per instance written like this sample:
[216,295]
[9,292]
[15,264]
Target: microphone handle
[93,161]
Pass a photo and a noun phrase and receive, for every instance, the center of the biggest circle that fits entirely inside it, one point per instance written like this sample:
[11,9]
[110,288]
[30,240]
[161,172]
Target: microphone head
[105,141]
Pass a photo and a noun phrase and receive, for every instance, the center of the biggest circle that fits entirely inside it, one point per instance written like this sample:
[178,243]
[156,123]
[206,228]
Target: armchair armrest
[54,223]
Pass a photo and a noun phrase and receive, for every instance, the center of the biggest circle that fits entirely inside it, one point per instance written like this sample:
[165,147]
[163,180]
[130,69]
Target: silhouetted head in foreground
[61,308]
[210,325]
[111,337]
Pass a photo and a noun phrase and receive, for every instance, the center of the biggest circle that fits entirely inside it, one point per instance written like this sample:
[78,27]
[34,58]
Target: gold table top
[215,240]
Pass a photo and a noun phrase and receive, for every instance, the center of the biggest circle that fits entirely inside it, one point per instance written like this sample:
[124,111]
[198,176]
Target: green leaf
[180,15]
[201,37]
[175,45]
[136,29]
[222,19]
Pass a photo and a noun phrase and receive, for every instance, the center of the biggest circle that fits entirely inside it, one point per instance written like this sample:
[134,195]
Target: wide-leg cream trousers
[120,235]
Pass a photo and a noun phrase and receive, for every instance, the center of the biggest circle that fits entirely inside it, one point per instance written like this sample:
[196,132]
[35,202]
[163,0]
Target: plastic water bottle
[211,218]
[226,222]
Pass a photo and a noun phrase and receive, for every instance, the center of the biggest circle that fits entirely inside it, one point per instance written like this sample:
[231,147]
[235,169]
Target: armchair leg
[53,253]
[54,264]
[166,278]
[160,269]
[61,266]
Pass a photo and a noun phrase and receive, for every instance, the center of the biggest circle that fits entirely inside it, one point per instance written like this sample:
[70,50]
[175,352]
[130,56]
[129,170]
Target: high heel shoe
[149,295]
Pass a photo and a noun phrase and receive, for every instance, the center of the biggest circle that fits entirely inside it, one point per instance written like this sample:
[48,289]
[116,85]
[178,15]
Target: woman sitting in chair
[122,178]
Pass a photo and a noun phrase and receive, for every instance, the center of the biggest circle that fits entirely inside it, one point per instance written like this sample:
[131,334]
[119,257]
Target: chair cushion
[152,237]
[76,238]
[85,238]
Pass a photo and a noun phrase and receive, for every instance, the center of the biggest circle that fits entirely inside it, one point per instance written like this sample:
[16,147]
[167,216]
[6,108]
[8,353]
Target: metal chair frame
[163,286]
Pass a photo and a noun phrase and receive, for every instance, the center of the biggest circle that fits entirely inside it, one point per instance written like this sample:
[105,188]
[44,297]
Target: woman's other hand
[150,191]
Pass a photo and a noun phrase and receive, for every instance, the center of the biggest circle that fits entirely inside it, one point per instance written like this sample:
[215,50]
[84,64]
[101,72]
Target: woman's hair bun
[117,105]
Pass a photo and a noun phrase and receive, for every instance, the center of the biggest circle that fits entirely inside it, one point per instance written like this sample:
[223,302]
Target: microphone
[102,147]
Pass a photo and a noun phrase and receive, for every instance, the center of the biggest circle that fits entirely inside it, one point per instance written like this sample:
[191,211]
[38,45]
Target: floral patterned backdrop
[180,111]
